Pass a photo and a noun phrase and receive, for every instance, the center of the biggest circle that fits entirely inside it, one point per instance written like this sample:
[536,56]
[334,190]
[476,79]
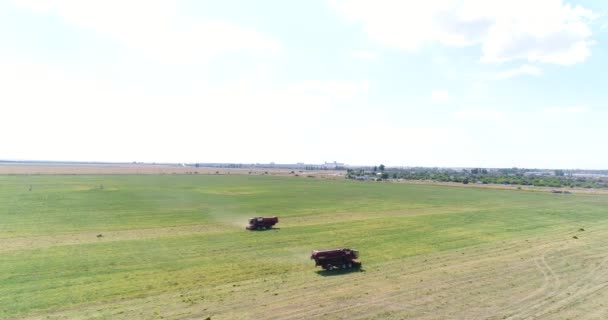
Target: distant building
[331,165]
[537,173]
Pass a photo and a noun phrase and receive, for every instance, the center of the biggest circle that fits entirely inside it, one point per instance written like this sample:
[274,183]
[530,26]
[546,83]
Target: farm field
[175,247]
[154,169]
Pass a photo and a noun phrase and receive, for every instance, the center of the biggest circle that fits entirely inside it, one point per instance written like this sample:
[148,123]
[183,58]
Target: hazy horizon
[42,161]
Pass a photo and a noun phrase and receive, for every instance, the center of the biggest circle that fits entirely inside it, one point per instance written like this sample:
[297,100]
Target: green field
[174,246]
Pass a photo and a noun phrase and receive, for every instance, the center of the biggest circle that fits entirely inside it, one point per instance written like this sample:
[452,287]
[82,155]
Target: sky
[447,83]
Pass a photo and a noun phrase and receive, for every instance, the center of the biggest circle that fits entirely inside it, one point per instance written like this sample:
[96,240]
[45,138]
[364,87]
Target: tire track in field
[581,288]
[372,277]
[294,301]
[598,313]
[563,299]
[300,314]
[551,284]
[376,300]
[542,267]
[389,298]
[550,279]
[504,254]
[309,293]
[392,299]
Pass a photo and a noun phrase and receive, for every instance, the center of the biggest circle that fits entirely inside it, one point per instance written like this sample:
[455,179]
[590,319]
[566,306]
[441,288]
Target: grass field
[174,247]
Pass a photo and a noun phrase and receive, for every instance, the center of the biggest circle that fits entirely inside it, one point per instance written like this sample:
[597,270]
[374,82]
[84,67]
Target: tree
[375,168]
[384,175]
[382,167]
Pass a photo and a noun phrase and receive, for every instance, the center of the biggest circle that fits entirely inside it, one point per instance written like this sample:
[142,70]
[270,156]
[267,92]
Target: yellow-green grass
[175,246]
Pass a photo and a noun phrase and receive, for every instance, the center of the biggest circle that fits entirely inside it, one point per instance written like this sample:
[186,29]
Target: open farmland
[174,247]
[155,169]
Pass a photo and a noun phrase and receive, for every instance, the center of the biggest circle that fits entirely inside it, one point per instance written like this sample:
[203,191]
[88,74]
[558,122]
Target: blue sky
[435,83]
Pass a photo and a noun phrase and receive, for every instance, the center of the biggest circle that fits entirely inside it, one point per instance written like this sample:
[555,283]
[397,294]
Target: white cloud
[334,90]
[565,110]
[533,116]
[479,114]
[57,115]
[520,71]
[365,55]
[544,31]
[478,85]
[440,96]
[390,22]
[155,28]
[440,60]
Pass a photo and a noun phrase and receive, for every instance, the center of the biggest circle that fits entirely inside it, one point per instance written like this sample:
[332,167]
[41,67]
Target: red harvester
[341,258]
[261,223]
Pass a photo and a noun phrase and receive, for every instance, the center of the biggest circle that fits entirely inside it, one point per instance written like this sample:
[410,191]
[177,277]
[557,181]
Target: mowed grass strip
[386,222]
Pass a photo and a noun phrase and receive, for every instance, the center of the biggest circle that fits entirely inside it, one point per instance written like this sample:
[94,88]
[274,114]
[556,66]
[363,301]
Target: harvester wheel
[344,266]
[350,265]
[328,267]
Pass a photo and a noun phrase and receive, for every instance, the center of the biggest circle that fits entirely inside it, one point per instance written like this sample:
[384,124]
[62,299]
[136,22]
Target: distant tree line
[507,176]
